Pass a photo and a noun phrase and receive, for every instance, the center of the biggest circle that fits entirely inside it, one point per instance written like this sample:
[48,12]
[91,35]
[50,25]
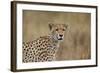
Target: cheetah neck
[55,42]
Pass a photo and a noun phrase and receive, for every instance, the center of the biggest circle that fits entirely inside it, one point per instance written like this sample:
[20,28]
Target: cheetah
[44,48]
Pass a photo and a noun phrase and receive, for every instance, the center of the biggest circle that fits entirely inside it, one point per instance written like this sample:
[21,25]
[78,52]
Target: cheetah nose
[60,35]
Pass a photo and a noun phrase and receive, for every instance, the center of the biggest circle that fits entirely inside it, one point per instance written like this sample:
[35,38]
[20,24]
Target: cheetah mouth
[60,39]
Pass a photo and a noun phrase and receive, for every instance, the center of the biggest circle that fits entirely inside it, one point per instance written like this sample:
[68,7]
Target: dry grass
[76,44]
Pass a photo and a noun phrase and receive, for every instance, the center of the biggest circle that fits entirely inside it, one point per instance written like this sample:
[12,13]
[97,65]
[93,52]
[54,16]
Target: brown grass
[76,44]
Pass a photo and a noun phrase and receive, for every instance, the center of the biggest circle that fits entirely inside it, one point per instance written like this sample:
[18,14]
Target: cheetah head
[58,31]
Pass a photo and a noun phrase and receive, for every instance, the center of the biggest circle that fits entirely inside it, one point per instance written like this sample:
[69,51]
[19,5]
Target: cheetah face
[58,31]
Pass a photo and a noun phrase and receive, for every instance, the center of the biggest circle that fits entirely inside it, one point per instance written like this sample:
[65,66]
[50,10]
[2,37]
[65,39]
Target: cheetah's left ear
[66,26]
[50,25]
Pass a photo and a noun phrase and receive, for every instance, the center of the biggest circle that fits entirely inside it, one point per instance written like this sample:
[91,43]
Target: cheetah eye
[63,29]
[56,29]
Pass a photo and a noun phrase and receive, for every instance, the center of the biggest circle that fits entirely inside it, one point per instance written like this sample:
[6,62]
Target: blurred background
[77,41]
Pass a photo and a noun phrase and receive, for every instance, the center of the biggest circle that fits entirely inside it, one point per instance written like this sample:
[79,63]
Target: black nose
[60,35]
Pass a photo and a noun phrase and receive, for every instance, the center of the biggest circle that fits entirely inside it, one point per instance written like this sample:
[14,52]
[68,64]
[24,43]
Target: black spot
[40,49]
[29,60]
[43,45]
[30,51]
[32,48]
[38,58]
[26,46]
[26,61]
[43,41]
[31,45]
[24,49]
[27,49]
[36,42]
[39,42]
[35,61]
[39,46]
[32,60]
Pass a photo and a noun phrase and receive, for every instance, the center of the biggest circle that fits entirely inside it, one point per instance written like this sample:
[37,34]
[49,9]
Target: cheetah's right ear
[50,25]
